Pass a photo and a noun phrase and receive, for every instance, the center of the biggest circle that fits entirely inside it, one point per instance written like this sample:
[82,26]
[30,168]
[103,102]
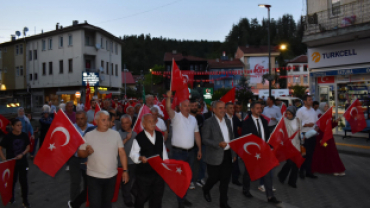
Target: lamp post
[268,42]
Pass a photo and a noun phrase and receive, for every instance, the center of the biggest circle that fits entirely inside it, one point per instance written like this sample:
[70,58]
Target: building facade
[57,64]
[297,73]
[337,33]
[225,73]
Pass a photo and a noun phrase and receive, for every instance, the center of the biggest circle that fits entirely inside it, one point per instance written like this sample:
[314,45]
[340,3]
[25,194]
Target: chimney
[12,37]
[61,27]
[85,21]
[75,22]
[57,26]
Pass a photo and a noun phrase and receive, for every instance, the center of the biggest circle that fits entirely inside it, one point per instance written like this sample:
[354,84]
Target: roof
[299,59]
[62,30]
[129,78]
[168,56]
[256,49]
[221,64]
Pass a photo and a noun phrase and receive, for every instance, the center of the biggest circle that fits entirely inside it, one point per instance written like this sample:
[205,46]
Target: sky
[180,19]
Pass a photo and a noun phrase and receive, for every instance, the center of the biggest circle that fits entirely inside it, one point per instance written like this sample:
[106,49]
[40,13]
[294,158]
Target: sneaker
[192,186]
[273,189]
[67,168]
[342,174]
[261,188]
[336,174]
[12,201]
[199,183]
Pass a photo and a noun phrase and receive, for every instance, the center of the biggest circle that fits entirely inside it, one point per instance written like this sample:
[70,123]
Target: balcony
[337,24]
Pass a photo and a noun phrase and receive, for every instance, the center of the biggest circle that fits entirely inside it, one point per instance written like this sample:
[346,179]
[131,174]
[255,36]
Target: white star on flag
[282,143]
[257,156]
[51,147]
[178,170]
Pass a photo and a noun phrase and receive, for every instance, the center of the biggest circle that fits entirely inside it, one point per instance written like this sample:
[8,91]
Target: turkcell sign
[354,52]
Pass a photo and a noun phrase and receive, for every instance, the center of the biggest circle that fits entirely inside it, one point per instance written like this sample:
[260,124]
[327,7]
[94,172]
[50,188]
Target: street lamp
[268,40]
[283,47]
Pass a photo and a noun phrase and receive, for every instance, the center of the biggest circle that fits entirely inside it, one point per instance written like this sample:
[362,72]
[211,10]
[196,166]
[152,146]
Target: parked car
[9,112]
[290,100]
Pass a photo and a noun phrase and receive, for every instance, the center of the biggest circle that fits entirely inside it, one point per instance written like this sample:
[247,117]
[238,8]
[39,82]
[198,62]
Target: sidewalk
[353,145]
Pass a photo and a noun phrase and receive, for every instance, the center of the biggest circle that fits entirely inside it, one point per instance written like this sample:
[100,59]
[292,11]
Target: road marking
[354,145]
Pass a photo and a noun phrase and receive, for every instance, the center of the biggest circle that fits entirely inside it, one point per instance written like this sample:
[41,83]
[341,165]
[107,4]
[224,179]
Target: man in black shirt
[17,145]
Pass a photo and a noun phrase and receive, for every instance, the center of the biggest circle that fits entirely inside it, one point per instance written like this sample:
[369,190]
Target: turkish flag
[177,174]
[325,79]
[109,96]
[97,109]
[180,95]
[355,117]
[257,155]
[138,127]
[280,134]
[324,123]
[6,184]
[283,108]
[32,142]
[177,80]
[229,96]
[61,142]
[3,123]
[87,99]
[156,101]
[162,106]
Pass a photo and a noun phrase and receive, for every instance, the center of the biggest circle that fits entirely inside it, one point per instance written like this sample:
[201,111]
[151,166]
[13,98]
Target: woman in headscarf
[292,125]
[326,158]
[26,124]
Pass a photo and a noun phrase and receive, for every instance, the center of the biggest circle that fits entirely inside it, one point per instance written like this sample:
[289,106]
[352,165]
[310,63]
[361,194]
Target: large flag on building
[256,154]
[3,124]
[177,174]
[229,96]
[355,117]
[60,143]
[6,182]
[324,123]
[87,99]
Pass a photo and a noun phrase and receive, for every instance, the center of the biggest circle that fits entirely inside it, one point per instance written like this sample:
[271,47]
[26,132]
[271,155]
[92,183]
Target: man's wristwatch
[125,171]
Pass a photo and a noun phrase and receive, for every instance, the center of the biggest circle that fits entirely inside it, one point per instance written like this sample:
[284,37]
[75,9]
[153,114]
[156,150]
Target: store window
[297,79]
[305,79]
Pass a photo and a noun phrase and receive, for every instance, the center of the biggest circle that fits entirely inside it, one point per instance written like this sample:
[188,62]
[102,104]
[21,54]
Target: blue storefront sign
[341,72]
[91,77]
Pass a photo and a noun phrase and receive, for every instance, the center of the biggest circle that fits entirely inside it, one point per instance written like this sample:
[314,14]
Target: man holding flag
[273,112]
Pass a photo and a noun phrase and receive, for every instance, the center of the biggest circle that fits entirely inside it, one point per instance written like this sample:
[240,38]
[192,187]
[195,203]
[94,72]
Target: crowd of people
[191,132]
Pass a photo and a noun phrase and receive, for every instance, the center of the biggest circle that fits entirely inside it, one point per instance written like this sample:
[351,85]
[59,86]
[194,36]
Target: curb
[348,152]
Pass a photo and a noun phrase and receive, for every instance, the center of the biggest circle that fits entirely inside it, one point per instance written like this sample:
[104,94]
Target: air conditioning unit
[312,19]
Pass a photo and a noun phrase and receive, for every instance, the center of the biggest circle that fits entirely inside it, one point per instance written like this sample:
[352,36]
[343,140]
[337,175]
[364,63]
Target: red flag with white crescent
[177,80]
[355,117]
[60,143]
[6,184]
[3,123]
[97,109]
[138,127]
[283,108]
[177,174]
[229,96]
[325,125]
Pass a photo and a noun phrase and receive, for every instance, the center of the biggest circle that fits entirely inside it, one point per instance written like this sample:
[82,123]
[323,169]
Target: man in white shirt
[149,184]
[149,101]
[184,132]
[102,147]
[159,123]
[308,117]
[273,112]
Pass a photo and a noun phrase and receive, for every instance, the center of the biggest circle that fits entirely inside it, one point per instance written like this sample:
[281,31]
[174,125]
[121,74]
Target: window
[297,79]
[43,45]
[50,44]
[30,77]
[101,43]
[87,40]
[69,40]
[35,76]
[106,45]
[61,67]
[107,69]
[305,68]
[116,69]
[70,65]
[116,48]
[16,50]
[44,68]
[296,68]
[60,41]
[192,67]
[21,70]
[50,68]
[0,53]
[305,79]
[168,68]
[34,54]
[335,7]
[196,67]
[21,49]
[30,55]
[111,68]
[111,47]
[17,71]
[102,66]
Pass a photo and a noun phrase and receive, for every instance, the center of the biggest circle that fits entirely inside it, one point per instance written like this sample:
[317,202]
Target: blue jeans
[187,156]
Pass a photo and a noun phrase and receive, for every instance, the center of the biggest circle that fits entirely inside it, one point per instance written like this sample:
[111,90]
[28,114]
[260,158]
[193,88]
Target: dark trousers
[20,173]
[309,144]
[187,156]
[126,188]
[236,170]
[220,173]
[267,179]
[291,167]
[271,128]
[75,177]
[101,191]
[202,164]
[81,198]
[149,187]
[34,147]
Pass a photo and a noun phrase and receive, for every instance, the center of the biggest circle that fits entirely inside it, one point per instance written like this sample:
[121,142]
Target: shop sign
[102,89]
[339,54]
[325,79]
[91,77]
[207,95]
[274,92]
[342,72]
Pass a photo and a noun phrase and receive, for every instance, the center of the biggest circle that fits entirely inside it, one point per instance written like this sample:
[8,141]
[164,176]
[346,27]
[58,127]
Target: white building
[56,62]
[298,71]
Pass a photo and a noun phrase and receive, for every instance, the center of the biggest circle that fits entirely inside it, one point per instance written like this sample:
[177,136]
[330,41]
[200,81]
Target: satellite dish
[25,29]
[17,33]
[97,46]
[101,69]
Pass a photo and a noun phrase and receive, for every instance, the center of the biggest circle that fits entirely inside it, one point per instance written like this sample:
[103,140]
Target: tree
[195,94]
[299,91]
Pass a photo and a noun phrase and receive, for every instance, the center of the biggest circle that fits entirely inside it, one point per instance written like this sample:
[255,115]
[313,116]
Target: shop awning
[109,91]
[66,92]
